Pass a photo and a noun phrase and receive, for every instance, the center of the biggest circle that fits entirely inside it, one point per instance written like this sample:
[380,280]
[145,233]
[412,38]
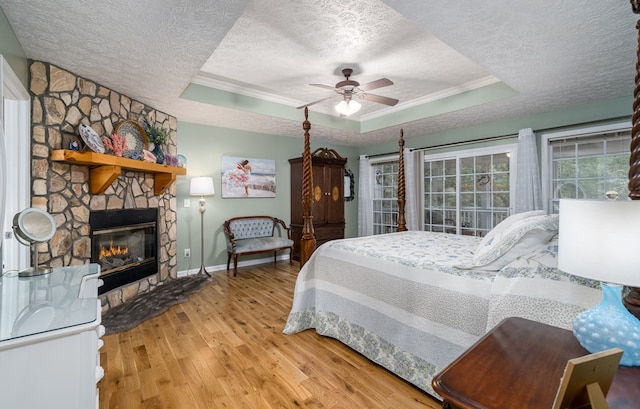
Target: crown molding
[469,86]
[243,90]
[269,97]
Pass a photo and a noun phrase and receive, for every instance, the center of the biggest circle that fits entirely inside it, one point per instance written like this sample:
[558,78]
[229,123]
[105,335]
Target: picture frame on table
[586,380]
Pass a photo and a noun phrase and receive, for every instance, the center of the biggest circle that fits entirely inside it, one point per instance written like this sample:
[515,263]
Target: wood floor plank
[186,398]
[165,355]
[224,348]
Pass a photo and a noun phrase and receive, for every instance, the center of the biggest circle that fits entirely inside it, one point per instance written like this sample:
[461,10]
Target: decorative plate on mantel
[91,138]
[136,138]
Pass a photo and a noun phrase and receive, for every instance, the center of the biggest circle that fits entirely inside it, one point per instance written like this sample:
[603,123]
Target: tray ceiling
[248,64]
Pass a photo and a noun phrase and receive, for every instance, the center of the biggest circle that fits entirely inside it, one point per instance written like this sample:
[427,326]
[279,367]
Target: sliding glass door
[468,192]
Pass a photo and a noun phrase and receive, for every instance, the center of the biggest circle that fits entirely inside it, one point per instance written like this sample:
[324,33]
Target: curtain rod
[498,137]
[471,141]
[445,145]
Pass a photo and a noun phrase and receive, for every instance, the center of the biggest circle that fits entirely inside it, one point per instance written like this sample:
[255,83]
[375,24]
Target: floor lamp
[202,186]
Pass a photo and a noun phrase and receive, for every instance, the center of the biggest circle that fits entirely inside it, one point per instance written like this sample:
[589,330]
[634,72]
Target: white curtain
[411,188]
[365,198]
[528,190]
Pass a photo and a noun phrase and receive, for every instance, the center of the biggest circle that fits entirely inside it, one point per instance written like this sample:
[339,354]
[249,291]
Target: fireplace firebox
[124,243]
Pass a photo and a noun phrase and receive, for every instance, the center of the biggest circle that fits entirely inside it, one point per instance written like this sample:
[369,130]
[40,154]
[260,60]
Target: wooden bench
[255,234]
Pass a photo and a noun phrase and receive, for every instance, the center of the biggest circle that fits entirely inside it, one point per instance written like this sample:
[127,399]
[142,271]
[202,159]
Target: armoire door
[334,198]
[319,193]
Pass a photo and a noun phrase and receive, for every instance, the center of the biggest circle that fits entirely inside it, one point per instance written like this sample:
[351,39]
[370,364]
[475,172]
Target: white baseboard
[223,267]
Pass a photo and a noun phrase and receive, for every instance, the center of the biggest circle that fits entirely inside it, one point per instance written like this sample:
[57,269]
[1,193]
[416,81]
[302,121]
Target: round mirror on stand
[33,226]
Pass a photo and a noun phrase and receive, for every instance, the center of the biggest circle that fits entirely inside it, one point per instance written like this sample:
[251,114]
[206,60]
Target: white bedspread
[399,300]
[532,287]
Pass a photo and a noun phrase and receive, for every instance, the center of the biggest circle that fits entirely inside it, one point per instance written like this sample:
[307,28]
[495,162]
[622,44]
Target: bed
[409,302]
[413,301]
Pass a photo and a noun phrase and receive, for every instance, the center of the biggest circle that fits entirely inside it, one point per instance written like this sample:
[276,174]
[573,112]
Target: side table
[519,364]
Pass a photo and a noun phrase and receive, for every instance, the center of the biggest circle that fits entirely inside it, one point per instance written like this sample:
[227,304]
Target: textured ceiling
[550,54]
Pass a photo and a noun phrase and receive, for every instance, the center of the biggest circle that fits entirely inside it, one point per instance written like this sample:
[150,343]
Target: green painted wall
[204,147]
[12,51]
[577,116]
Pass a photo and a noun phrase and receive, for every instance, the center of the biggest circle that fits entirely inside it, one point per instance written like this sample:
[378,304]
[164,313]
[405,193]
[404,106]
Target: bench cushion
[251,227]
[260,244]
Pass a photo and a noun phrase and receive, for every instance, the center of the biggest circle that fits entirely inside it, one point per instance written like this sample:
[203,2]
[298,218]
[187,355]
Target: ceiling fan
[350,89]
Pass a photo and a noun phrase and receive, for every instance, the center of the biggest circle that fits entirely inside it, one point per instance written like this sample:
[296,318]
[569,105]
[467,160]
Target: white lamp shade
[201,186]
[348,107]
[600,239]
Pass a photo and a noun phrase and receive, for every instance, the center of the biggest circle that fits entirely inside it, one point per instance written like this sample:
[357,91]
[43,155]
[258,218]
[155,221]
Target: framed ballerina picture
[248,177]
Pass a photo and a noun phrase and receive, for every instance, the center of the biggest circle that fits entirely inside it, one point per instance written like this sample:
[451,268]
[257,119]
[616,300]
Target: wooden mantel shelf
[106,168]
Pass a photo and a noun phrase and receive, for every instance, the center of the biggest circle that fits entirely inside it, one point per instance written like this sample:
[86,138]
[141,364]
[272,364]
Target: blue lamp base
[609,325]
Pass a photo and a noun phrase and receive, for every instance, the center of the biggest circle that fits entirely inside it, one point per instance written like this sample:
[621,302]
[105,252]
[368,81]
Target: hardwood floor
[224,348]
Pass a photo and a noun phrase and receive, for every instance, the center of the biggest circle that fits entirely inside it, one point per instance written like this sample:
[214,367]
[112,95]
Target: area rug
[151,304]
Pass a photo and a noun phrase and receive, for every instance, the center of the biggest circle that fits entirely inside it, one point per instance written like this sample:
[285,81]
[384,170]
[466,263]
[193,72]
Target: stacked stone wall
[61,101]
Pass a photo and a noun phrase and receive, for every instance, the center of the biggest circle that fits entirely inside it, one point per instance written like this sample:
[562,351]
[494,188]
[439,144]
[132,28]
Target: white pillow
[504,225]
[520,238]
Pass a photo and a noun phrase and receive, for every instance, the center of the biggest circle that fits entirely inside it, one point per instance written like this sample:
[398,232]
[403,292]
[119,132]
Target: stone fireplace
[61,101]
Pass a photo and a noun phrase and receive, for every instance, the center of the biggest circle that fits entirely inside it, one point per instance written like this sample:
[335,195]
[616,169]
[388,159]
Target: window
[440,195]
[587,165]
[469,191]
[385,196]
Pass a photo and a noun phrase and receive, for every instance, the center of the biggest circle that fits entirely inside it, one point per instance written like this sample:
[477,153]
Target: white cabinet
[49,339]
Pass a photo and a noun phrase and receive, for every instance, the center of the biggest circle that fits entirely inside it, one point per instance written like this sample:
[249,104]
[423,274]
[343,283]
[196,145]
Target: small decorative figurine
[74,146]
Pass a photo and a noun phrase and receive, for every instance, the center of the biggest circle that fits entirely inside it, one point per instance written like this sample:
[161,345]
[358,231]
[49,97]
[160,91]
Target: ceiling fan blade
[382,82]
[326,87]
[380,99]
[315,102]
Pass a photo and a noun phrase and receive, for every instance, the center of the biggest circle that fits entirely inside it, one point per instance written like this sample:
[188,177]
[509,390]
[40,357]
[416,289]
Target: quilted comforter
[400,299]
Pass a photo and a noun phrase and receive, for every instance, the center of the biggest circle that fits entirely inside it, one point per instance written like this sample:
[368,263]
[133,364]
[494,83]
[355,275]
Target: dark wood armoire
[328,197]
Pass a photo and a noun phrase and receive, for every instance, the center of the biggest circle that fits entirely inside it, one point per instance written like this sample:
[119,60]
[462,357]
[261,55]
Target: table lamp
[598,240]
[202,186]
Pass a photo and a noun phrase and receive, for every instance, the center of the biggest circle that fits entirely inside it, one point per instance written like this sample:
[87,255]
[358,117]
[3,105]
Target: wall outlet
[187,252]
[187,202]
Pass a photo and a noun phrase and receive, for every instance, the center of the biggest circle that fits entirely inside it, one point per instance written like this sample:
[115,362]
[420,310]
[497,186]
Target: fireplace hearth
[124,243]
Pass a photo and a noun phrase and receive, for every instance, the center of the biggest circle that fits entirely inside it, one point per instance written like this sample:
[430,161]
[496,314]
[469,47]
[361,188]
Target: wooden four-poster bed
[413,301]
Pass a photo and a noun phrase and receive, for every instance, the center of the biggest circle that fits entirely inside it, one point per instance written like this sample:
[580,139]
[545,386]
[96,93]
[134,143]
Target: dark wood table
[519,364]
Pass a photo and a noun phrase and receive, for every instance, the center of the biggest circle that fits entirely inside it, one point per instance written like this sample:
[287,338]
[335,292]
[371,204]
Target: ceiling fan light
[348,107]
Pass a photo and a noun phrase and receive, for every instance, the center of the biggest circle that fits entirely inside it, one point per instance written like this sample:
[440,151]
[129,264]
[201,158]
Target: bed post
[402,225]
[308,241]
[632,299]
